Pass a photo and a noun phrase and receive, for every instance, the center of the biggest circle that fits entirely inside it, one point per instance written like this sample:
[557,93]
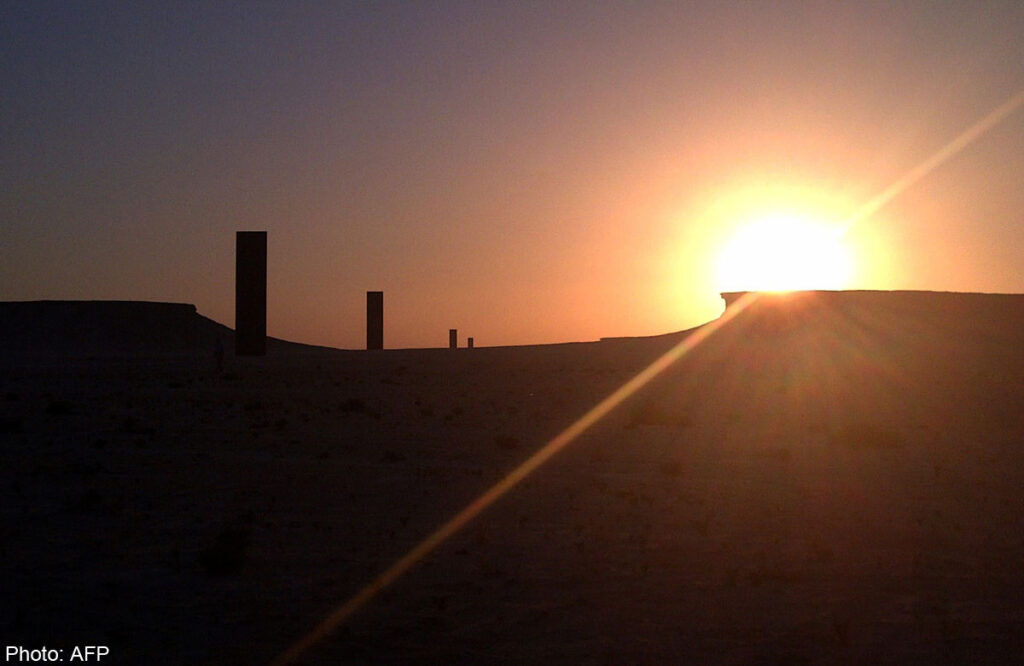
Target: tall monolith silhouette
[453,338]
[375,320]
[251,293]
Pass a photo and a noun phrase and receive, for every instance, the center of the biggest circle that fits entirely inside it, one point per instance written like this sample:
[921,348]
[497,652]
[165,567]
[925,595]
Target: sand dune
[830,478]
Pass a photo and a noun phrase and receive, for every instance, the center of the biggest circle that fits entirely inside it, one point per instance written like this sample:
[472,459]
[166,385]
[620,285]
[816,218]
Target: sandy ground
[825,485]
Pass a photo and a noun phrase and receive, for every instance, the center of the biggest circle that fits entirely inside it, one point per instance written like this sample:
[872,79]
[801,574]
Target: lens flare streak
[937,159]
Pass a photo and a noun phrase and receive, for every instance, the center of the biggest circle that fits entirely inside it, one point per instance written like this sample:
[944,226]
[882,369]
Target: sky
[526,172]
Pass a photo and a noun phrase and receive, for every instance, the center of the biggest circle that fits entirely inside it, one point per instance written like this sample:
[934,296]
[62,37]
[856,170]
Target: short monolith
[375,320]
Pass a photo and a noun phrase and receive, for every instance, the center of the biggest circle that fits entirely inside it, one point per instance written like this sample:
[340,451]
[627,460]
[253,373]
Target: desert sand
[830,478]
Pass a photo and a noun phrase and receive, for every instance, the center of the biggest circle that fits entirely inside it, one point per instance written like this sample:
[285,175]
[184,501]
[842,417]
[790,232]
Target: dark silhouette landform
[832,477]
[41,330]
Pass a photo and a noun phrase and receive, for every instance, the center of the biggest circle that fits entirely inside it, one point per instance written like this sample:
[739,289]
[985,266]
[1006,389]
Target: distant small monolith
[375,320]
[469,343]
[251,293]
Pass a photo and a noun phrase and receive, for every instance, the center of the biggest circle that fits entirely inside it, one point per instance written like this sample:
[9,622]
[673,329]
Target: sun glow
[785,252]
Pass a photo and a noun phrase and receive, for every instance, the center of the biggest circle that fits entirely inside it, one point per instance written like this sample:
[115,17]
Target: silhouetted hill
[953,310]
[856,360]
[109,328]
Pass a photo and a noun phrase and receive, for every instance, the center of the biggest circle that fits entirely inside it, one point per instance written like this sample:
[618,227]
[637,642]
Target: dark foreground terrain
[830,478]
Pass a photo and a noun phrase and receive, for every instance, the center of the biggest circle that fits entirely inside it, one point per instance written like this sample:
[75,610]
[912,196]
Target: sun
[785,252]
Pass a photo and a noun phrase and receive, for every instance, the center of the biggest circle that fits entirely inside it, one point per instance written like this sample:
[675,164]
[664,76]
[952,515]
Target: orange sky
[524,174]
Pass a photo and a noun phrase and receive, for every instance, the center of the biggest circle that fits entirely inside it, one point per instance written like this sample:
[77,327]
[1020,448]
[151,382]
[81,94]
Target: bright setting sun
[784,252]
